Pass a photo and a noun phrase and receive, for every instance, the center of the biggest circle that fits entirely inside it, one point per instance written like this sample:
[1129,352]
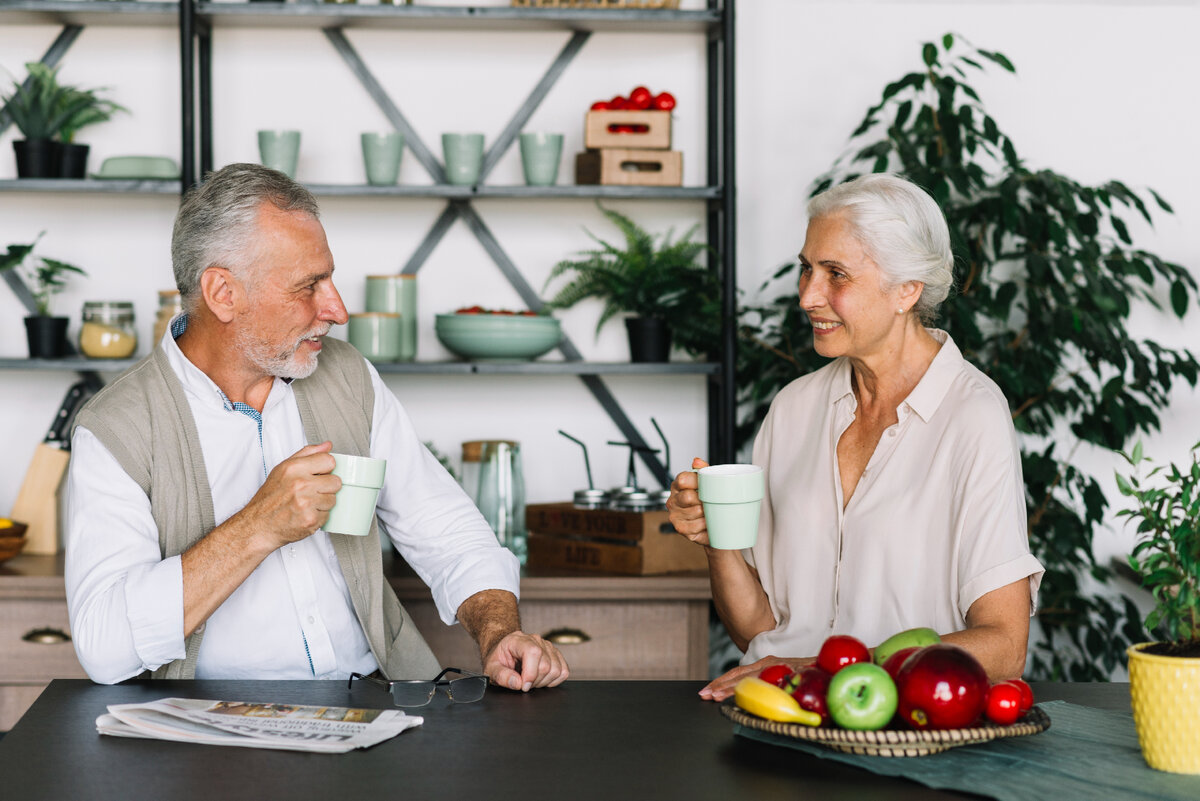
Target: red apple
[776,674]
[941,687]
[809,687]
[841,650]
[894,662]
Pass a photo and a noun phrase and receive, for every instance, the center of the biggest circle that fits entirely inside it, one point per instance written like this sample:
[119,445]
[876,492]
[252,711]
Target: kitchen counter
[582,740]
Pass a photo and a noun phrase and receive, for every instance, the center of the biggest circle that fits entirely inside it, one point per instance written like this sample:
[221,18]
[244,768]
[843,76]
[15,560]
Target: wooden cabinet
[619,627]
[608,627]
[35,643]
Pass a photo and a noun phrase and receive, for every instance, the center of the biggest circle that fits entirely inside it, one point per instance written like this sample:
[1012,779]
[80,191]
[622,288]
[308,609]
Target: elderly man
[201,477]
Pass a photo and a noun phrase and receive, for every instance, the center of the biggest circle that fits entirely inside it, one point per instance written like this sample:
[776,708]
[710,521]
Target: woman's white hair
[901,228]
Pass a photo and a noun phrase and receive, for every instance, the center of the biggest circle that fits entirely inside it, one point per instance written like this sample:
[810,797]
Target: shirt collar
[195,381]
[927,395]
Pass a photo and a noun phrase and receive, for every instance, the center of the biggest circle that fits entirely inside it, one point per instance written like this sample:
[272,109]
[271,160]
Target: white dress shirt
[936,521]
[292,617]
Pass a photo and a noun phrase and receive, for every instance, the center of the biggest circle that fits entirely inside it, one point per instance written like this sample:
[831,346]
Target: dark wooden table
[583,740]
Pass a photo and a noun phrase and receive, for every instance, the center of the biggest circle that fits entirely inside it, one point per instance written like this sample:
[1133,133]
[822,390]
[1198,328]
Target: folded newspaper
[290,727]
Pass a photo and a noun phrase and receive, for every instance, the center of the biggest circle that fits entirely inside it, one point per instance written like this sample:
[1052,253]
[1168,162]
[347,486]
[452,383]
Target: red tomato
[776,674]
[1003,704]
[640,98]
[1026,693]
[841,650]
[469,310]
[600,105]
[663,101]
[618,103]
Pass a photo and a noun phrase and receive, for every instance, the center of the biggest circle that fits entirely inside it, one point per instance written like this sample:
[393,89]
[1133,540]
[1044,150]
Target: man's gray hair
[217,222]
[901,228]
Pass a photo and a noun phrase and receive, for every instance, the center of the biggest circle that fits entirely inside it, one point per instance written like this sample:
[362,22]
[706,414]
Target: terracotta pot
[1166,709]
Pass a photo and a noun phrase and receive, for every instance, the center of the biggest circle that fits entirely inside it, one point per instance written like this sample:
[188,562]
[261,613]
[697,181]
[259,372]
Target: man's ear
[220,291]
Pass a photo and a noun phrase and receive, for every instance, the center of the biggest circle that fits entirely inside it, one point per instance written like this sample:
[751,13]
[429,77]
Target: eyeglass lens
[463,690]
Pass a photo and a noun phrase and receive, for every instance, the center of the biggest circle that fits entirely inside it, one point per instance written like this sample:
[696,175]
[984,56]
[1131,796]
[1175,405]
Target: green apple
[862,696]
[909,638]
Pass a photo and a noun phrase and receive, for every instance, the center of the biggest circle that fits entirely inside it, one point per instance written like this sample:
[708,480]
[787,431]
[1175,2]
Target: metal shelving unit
[198,19]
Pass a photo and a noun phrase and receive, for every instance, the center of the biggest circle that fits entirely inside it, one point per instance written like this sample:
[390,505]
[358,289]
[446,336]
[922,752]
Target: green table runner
[1086,754]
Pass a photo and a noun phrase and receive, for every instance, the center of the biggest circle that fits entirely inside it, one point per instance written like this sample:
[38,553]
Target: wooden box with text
[562,536]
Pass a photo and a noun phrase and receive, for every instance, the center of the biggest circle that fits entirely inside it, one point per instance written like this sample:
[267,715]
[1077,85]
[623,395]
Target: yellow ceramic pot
[1165,691]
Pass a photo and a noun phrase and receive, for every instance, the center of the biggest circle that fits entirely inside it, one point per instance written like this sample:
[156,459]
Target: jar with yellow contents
[108,331]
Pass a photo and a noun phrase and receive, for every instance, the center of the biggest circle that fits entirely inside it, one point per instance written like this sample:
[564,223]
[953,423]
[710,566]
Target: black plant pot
[649,339]
[73,161]
[37,158]
[47,337]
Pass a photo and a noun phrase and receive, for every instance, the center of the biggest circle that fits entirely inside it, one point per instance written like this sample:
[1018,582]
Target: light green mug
[381,157]
[279,150]
[732,497]
[362,478]
[463,154]
[540,157]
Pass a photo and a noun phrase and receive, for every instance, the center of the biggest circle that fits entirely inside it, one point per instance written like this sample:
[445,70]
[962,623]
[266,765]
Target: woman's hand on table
[684,508]
[721,687]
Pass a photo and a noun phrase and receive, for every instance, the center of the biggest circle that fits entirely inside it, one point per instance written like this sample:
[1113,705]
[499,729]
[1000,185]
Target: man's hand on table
[523,661]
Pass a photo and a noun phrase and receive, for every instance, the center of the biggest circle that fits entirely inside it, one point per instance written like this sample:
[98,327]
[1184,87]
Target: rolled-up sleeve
[429,518]
[124,600]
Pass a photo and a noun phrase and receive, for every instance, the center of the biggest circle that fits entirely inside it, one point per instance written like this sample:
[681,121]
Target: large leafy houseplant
[650,277]
[1047,275]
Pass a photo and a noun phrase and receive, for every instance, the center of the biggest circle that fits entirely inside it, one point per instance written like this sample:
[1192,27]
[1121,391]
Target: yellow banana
[768,701]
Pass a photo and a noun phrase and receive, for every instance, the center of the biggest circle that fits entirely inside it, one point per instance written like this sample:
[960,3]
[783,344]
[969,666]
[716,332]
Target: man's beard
[283,363]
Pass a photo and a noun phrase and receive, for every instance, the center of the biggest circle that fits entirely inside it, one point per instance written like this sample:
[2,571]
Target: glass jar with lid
[108,331]
[169,305]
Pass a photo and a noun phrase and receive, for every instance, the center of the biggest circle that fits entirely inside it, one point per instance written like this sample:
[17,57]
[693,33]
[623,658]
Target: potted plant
[49,115]
[84,108]
[47,334]
[1164,676]
[666,292]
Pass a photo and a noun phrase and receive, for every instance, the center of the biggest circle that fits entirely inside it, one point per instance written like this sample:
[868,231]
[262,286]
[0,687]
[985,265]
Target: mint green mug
[732,497]
[362,478]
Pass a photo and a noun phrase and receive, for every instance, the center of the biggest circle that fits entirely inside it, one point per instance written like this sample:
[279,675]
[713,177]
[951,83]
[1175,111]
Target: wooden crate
[652,130]
[619,167]
[608,541]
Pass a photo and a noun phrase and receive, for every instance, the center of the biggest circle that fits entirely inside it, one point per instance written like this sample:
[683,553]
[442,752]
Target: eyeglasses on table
[466,689]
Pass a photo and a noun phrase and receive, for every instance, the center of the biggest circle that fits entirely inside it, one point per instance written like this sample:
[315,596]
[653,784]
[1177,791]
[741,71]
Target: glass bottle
[502,494]
[108,331]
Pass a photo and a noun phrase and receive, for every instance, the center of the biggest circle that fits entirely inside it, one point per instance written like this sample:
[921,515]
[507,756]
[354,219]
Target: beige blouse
[937,519]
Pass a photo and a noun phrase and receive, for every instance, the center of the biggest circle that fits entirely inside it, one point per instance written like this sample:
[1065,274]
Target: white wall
[1103,90]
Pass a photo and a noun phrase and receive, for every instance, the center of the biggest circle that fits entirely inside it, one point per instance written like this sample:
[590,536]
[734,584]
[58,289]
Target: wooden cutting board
[37,501]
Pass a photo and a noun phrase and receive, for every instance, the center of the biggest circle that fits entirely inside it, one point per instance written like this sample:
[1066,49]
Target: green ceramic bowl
[509,337]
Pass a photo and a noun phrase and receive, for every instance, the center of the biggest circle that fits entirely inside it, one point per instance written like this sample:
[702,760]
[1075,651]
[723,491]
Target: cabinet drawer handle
[566,636]
[46,636]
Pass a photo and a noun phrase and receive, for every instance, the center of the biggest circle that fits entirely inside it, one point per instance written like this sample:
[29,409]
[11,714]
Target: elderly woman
[894,491]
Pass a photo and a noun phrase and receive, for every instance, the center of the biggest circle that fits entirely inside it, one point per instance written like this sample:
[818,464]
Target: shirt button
[311,620]
[891,432]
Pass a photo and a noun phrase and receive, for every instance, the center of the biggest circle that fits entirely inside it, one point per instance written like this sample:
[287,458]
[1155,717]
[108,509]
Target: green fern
[646,279]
